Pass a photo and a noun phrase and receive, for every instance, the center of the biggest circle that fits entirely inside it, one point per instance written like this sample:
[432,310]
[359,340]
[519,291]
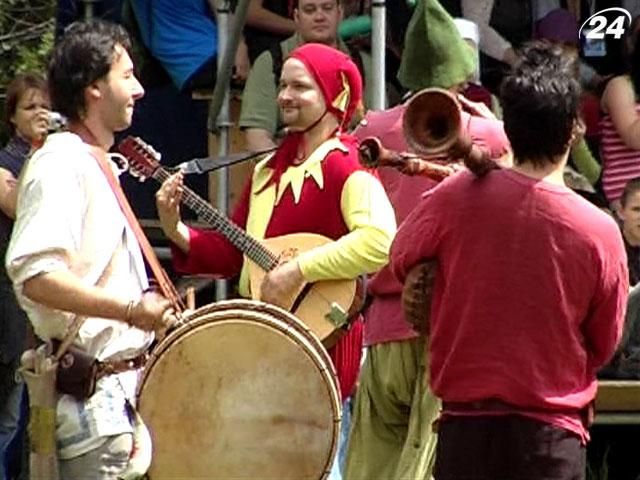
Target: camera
[56,122]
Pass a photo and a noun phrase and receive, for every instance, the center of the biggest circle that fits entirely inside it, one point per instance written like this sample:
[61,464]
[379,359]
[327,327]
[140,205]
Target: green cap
[354,26]
[435,55]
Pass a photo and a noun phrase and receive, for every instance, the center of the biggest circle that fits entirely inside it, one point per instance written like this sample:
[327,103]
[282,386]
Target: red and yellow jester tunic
[328,194]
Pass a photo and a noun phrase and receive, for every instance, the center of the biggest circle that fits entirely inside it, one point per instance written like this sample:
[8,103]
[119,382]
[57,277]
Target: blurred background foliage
[26,37]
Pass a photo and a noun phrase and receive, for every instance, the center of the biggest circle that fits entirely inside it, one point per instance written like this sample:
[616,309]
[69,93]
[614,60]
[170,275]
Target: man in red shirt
[529,295]
[391,436]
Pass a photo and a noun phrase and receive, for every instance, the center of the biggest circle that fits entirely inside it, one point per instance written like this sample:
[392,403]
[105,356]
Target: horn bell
[431,122]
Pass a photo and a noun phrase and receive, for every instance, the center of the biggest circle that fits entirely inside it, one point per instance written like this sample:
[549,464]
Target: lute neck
[248,245]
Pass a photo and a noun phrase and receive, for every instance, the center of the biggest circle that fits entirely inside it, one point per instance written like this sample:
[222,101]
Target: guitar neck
[232,232]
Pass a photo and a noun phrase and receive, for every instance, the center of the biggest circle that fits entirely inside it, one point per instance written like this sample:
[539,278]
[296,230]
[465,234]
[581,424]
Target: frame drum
[241,390]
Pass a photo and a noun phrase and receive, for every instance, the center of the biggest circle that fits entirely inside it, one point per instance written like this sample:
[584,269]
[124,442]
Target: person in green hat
[392,435]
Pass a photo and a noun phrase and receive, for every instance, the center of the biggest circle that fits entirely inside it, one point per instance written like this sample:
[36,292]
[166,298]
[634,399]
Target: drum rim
[272,316]
[323,363]
[256,305]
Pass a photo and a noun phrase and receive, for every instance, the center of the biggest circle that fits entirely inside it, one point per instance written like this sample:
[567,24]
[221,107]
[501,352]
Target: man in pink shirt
[391,435]
[529,296]
[393,395]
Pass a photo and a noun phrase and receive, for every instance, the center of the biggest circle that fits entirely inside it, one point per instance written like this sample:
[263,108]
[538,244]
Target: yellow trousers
[391,435]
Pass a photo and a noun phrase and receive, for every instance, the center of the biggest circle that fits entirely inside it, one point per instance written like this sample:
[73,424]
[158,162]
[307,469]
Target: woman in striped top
[620,129]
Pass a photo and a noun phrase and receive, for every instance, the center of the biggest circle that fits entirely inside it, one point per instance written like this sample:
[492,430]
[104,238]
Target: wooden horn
[432,123]
[372,154]
[432,126]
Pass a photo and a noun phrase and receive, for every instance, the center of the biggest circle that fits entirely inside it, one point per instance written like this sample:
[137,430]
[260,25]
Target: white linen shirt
[68,218]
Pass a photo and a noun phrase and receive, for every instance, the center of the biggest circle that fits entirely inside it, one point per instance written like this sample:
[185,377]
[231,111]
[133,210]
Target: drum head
[240,392]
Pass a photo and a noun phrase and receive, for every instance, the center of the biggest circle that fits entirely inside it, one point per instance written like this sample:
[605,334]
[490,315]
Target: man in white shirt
[73,253]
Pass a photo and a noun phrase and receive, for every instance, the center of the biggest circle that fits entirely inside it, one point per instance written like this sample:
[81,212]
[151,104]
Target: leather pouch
[77,372]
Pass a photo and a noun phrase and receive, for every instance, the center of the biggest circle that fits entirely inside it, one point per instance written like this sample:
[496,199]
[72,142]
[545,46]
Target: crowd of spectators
[178,51]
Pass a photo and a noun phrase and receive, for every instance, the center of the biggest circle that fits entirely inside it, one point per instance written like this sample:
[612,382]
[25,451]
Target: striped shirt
[620,163]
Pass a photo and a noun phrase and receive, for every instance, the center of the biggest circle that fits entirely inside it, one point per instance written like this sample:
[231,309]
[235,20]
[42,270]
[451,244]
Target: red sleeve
[418,237]
[603,325]
[210,253]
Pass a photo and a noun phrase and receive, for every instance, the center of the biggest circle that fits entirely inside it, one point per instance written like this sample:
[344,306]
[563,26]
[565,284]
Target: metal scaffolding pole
[226,57]
[88,9]
[219,122]
[223,125]
[378,32]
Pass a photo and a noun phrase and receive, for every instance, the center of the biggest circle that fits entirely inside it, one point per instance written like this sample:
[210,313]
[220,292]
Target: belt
[488,405]
[112,367]
[495,405]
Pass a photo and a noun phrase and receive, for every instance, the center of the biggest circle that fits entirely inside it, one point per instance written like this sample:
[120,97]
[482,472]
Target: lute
[322,306]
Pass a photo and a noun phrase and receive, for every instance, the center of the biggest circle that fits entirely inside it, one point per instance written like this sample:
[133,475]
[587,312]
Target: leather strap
[68,338]
[111,367]
[165,284]
[209,164]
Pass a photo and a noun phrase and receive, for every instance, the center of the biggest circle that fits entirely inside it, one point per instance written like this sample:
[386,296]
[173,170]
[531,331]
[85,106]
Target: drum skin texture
[241,390]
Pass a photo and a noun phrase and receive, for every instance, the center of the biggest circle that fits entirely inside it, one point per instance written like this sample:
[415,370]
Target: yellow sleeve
[369,217]
[585,162]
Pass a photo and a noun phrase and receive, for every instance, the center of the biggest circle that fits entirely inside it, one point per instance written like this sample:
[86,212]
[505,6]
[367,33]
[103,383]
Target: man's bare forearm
[62,290]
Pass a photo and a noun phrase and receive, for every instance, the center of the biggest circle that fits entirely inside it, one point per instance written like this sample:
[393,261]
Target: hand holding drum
[152,312]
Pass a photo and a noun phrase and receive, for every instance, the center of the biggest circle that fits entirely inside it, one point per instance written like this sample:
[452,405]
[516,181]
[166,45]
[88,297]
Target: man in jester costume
[313,184]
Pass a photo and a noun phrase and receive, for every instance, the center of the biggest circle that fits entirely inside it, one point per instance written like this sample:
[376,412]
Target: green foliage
[26,37]
[32,58]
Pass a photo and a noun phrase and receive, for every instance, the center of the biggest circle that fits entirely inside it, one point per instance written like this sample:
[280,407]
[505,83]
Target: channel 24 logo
[610,22]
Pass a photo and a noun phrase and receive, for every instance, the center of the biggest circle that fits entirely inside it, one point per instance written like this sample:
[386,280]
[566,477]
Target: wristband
[129,311]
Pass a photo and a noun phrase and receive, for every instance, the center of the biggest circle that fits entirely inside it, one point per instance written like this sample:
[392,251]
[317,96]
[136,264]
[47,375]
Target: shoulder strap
[159,273]
[167,288]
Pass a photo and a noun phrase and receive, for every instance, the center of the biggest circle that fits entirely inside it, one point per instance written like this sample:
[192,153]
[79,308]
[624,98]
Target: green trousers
[391,434]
